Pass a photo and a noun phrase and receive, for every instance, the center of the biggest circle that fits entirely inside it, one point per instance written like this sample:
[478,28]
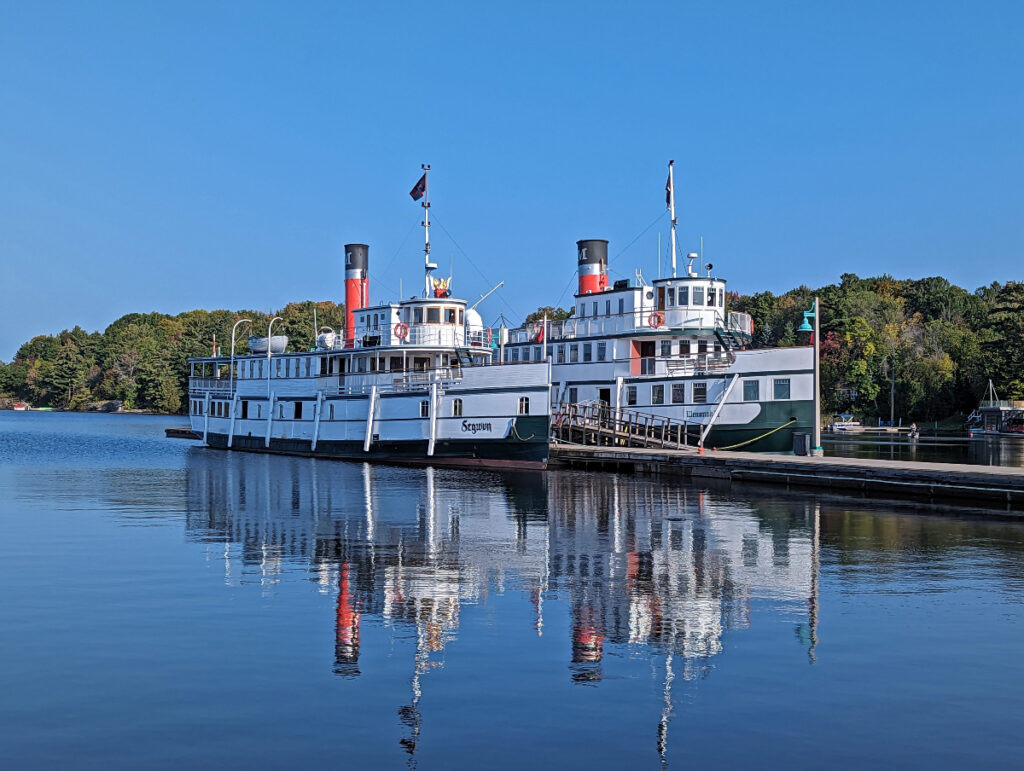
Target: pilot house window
[433,315]
[524,405]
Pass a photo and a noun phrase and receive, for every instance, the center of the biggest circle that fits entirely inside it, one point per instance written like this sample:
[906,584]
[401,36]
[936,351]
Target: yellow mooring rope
[756,438]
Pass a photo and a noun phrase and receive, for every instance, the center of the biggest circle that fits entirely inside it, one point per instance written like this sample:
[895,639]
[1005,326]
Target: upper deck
[693,305]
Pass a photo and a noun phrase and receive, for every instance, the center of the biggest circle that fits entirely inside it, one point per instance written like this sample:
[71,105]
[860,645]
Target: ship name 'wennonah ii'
[414,381]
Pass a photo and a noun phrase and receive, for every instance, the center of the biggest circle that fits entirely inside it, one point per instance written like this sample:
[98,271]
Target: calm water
[980,450]
[170,606]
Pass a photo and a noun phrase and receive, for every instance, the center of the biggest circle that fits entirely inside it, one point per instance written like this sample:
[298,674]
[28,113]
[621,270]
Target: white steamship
[671,348]
[414,381]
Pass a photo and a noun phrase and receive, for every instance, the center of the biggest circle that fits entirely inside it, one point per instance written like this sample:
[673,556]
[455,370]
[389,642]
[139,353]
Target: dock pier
[987,486]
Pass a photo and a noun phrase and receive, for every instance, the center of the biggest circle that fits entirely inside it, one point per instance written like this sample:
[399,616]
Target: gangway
[599,424]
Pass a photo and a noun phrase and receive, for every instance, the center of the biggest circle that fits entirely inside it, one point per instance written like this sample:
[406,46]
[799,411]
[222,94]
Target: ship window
[583,310]
[298,410]
[261,368]
[424,409]
[684,295]
[538,353]
[330,412]
[524,405]
[711,296]
[781,388]
[252,365]
[657,394]
[574,395]
[277,371]
[588,352]
[678,393]
[245,410]
[259,411]
[602,351]
[607,307]
[631,395]
[280,411]
[702,346]
[751,391]
[417,315]
[684,348]
[515,354]
[457,408]
[449,315]
[433,315]
[574,353]
[461,316]
[560,353]
[700,393]
[721,298]
[362,364]
[550,355]
[670,297]
[666,348]
[396,364]
[595,308]
[698,295]
[622,305]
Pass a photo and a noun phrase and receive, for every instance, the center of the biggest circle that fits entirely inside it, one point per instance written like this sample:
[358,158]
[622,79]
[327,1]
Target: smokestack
[593,265]
[357,287]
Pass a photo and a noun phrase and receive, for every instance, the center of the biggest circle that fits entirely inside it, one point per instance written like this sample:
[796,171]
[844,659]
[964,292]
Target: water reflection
[641,566]
[979,450]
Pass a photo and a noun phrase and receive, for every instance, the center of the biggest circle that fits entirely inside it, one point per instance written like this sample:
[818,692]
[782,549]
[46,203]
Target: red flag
[420,189]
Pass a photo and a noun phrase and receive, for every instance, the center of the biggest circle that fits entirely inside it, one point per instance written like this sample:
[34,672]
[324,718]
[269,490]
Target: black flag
[420,189]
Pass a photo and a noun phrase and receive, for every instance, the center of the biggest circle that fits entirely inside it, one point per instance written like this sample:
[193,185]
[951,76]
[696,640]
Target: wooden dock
[984,486]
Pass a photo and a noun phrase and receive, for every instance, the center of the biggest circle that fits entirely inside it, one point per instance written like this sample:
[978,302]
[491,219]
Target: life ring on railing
[401,330]
[655,320]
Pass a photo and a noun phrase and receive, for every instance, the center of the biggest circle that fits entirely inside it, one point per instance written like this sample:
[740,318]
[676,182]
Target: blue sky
[170,156]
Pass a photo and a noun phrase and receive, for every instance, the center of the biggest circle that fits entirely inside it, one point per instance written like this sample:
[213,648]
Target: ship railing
[214,385]
[445,377]
[741,323]
[700,319]
[699,365]
[597,423]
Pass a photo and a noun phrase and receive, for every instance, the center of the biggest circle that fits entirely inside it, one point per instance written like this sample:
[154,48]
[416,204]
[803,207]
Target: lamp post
[270,346]
[231,382]
[816,449]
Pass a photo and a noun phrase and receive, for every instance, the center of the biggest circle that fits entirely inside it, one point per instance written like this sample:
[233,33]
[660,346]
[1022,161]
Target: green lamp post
[816,449]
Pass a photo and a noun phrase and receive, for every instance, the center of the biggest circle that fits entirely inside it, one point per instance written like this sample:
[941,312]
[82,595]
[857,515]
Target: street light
[806,327]
[269,347]
[231,382]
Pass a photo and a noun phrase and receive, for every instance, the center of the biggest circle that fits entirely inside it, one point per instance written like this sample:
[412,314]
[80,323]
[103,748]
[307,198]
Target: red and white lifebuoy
[401,330]
[655,320]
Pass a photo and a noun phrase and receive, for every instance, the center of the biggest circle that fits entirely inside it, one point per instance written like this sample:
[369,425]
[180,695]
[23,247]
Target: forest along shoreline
[924,349]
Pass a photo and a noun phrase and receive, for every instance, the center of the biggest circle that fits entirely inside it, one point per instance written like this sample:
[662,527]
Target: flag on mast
[419,189]
[668,191]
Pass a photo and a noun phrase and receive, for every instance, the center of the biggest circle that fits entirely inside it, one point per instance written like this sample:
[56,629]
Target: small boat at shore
[846,424]
[997,417]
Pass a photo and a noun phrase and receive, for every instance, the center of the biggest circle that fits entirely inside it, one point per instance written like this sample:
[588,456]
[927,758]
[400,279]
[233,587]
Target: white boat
[846,423]
[671,348]
[413,381]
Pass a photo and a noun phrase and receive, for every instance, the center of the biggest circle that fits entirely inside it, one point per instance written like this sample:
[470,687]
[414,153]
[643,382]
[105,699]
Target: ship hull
[528,452]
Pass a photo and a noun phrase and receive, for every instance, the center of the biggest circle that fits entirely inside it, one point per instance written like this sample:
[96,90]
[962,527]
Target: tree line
[923,349]
[141,359]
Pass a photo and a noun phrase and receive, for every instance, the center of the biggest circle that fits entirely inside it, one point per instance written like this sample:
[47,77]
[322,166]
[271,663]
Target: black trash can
[801,443]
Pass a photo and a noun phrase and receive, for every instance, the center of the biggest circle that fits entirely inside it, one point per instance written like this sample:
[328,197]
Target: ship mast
[428,266]
[672,213]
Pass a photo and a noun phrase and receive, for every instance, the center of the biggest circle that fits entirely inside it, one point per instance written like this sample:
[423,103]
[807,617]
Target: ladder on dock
[598,424]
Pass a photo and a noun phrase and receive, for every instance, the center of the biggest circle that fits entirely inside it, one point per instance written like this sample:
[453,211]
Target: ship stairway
[729,341]
[598,424]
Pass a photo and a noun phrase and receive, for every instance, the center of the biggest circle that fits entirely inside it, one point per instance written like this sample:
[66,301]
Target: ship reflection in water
[639,565]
